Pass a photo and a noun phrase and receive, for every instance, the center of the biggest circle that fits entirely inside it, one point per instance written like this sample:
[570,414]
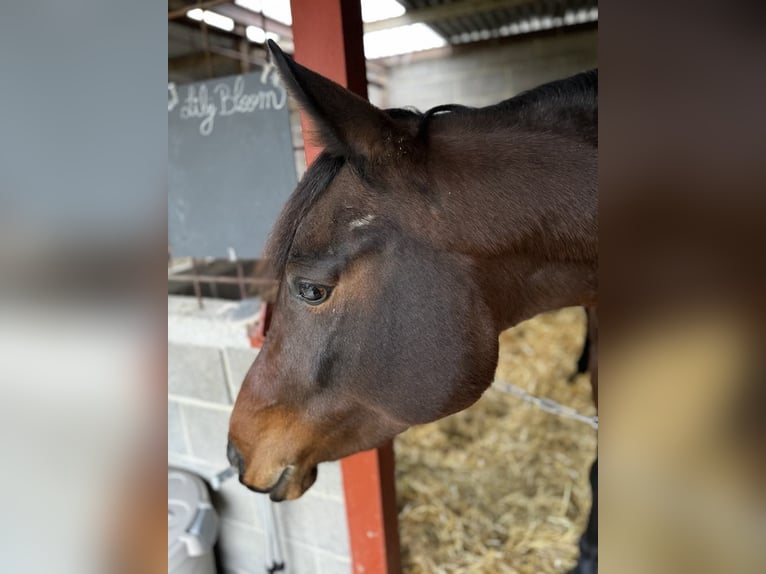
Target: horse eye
[312,293]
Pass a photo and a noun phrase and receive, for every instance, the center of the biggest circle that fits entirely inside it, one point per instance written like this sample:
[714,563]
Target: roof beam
[248,18]
[442,12]
[179,12]
[239,14]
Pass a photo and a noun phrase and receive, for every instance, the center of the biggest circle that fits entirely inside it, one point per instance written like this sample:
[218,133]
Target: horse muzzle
[290,482]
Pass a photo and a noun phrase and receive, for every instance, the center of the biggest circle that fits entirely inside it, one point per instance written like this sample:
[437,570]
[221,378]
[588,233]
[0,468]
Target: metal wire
[275,561]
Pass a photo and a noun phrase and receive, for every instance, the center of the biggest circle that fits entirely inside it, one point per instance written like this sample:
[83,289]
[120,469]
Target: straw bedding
[502,486]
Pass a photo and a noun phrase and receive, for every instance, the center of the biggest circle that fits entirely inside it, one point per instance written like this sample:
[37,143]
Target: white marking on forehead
[361,222]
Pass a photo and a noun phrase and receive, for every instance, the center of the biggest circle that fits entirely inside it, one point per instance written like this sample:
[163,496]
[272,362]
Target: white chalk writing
[225,99]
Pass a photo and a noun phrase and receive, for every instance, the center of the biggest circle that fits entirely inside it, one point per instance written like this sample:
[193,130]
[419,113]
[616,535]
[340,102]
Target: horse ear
[346,124]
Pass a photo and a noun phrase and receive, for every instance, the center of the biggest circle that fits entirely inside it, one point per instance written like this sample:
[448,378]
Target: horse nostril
[234,457]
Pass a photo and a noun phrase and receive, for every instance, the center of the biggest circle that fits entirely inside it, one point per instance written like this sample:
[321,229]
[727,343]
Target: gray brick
[197,372]
[241,549]
[234,502]
[238,362]
[208,431]
[331,564]
[219,323]
[176,439]
[316,521]
[300,559]
[245,550]
[329,480]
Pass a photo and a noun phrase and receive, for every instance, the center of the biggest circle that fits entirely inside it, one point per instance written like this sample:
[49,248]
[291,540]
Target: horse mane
[578,90]
[568,107]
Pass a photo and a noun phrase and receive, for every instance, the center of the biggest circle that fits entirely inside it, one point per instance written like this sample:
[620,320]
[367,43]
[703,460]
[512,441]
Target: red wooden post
[328,40]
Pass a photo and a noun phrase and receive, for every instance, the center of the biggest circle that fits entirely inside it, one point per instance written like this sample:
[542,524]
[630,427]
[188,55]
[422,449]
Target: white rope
[545,404]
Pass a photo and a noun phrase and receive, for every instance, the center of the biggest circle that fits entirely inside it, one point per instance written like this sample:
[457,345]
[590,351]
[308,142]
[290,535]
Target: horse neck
[522,204]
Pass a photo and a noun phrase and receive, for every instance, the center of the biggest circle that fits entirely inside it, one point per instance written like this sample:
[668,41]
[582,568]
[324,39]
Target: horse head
[389,303]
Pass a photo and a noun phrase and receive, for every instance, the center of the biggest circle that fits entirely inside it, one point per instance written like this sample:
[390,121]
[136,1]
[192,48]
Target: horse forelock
[316,180]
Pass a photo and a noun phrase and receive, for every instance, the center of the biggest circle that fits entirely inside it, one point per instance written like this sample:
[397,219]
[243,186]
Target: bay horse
[410,243]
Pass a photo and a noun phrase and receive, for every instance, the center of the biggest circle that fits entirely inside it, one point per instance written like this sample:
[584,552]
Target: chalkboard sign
[231,164]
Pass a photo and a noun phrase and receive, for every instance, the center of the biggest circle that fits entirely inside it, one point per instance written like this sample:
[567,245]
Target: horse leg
[587,563]
[583,363]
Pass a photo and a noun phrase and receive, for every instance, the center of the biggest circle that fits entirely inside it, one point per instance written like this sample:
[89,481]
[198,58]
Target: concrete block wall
[487,73]
[208,357]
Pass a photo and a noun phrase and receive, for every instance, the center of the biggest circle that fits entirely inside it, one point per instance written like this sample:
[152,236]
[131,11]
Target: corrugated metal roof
[484,19]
